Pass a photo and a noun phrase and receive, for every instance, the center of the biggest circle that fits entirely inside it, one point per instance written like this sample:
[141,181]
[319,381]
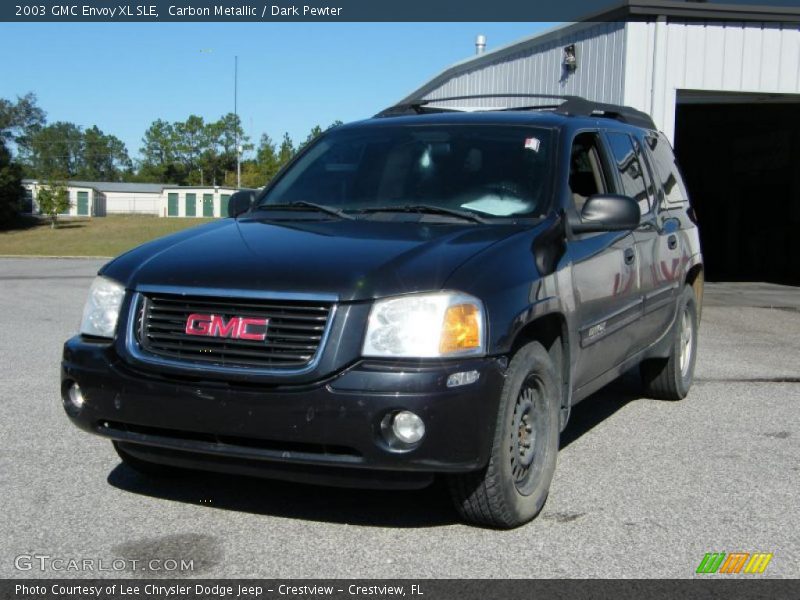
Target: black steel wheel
[513,487]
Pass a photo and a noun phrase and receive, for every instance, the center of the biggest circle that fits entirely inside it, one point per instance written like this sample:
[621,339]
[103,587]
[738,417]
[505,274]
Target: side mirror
[240,202]
[608,212]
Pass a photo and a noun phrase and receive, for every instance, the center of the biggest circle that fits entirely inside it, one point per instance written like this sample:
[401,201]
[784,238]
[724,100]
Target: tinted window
[496,171]
[630,169]
[667,169]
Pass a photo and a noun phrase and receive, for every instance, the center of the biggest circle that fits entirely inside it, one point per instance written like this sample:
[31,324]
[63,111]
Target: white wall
[662,58]
[130,203]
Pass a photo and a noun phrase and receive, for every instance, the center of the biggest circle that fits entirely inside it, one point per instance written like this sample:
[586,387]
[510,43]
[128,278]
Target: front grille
[293,335]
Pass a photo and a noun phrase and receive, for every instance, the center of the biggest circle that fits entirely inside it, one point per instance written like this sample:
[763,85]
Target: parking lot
[643,488]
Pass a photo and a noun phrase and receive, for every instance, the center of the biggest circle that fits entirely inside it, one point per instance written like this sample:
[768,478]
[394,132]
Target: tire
[143,467]
[670,378]
[513,487]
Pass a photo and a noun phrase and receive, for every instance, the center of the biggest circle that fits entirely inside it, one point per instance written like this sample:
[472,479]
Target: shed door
[208,205]
[172,205]
[191,205]
[223,205]
[83,203]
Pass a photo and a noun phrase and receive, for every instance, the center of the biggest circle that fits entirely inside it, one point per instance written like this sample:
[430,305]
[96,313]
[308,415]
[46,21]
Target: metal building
[721,81]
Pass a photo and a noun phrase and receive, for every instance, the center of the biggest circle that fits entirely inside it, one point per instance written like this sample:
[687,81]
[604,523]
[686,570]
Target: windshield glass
[491,171]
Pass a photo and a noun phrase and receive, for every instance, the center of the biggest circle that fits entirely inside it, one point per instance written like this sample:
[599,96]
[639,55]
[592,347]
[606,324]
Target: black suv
[427,292]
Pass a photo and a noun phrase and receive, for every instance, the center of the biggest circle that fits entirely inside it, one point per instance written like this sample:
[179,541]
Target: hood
[353,260]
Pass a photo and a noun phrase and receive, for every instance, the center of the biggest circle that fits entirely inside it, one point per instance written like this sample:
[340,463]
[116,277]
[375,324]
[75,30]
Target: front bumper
[325,432]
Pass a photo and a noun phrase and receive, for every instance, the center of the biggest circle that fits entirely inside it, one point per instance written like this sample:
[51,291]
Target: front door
[604,270]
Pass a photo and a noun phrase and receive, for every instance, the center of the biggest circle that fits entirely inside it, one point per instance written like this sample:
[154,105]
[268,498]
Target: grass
[99,236]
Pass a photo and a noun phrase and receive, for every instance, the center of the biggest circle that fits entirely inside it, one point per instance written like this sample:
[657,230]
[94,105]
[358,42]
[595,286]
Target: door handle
[672,242]
[630,256]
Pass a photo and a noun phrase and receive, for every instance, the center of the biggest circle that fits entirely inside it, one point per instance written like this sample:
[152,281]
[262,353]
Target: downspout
[659,75]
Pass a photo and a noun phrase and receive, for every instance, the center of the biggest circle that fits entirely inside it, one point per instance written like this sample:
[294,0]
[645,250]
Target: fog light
[75,395]
[408,427]
[462,378]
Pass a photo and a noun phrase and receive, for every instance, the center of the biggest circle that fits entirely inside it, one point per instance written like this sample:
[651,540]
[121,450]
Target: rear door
[604,269]
[655,241]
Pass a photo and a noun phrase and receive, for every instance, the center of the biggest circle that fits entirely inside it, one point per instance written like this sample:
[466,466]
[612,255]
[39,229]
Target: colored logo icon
[735,562]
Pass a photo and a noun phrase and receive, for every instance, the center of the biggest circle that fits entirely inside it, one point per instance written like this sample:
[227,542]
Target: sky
[291,77]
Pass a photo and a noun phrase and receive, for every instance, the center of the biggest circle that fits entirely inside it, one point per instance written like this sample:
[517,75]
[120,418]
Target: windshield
[491,171]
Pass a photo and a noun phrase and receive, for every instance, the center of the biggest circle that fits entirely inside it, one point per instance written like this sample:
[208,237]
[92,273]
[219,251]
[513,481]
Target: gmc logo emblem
[237,328]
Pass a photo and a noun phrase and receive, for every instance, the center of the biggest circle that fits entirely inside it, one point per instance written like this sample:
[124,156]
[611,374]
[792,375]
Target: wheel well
[696,278]
[551,331]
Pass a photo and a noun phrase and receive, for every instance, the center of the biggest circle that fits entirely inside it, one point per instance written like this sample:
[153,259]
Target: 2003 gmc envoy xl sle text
[424,293]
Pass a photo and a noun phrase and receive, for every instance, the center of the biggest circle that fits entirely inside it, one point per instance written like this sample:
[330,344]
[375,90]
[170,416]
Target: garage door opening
[740,155]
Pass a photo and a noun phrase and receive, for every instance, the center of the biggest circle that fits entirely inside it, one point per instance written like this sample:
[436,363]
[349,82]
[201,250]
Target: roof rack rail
[575,106]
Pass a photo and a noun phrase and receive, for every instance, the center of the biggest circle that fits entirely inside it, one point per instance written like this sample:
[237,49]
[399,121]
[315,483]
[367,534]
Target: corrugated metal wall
[537,68]
[662,58]
[641,64]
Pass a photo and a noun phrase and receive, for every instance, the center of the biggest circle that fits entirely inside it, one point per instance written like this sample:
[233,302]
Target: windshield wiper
[303,205]
[426,208]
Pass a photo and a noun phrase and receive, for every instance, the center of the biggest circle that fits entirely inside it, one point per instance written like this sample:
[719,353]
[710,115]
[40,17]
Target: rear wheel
[513,487]
[670,378]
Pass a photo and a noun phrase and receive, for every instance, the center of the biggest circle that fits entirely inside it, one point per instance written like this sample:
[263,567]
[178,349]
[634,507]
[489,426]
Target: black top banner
[382,10]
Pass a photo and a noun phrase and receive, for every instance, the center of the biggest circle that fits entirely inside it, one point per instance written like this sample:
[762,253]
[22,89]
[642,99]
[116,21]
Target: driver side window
[585,173]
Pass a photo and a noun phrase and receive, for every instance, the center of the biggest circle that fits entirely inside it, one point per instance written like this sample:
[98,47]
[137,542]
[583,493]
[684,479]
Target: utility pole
[236,114]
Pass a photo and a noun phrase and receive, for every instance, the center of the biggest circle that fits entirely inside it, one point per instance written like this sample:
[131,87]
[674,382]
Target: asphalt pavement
[643,488]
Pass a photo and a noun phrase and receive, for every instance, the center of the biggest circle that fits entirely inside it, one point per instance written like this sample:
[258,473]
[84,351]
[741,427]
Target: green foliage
[53,199]
[286,151]
[10,187]
[104,157]
[189,152]
[63,149]
[312,135]
[193,151]
[18,120]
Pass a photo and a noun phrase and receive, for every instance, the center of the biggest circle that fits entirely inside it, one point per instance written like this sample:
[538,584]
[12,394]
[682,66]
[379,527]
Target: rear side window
[667,169]
[630,168]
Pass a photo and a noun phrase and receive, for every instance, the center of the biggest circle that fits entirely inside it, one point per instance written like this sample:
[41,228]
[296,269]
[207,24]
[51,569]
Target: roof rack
[572,106]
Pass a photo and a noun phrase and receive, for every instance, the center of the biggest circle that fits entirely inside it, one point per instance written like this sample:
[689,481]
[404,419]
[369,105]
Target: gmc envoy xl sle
[424,293]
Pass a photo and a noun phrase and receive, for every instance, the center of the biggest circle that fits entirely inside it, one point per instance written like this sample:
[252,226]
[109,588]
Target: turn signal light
[461,330]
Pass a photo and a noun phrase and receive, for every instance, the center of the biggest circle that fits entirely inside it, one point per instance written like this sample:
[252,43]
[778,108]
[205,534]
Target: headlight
[426,325]
[101,313]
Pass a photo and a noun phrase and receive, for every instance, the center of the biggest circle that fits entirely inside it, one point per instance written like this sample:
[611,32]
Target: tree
[56,150]
[19,119]
[192,141]
[53,199]
[313,134]
[286,151]
[10,186]
[222,137]
[103,157]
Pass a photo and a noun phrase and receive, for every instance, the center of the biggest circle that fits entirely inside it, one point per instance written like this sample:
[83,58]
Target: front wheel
[513,487]
[670,378]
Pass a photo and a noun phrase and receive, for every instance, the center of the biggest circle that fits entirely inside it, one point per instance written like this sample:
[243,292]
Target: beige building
[101,198]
